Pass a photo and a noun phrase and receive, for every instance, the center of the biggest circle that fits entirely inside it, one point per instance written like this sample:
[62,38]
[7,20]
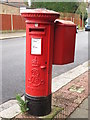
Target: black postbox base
[38,106]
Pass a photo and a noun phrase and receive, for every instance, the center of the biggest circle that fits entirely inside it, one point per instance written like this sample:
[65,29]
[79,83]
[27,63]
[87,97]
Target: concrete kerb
[65,78]
[81,30]
[12,35]
[57,83]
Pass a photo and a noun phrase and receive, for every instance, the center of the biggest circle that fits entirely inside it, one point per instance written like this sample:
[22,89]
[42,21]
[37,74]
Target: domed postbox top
[39,15]
[65,22]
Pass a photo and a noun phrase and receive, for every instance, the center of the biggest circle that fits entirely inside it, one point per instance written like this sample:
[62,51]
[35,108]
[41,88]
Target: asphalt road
[12,57]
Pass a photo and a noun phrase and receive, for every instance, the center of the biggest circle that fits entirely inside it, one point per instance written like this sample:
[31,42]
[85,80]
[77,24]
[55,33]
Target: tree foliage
[82,10]
[70,7]
[65,7]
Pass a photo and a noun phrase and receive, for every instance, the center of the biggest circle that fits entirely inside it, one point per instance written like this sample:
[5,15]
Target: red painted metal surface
[39,51]
[64,42]
[40,15]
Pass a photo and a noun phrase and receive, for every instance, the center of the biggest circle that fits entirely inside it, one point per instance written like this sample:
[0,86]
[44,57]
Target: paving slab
[10,112]
[84,104]
[79,113]
[89,102]
[8,104]
[88,114]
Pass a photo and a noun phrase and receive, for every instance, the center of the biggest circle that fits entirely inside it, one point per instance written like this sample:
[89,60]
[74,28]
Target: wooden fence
[12,22]
[16,22]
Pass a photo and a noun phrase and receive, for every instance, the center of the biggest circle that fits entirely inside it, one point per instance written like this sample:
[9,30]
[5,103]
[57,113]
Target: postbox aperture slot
[36,30]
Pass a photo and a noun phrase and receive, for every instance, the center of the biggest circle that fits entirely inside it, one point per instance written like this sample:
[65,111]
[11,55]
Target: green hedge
[70,7]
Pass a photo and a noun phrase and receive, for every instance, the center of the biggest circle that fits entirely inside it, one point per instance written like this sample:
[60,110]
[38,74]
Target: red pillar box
[64,42]
[39,50]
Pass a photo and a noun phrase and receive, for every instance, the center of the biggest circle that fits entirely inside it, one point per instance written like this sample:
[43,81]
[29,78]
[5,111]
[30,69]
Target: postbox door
[37,61]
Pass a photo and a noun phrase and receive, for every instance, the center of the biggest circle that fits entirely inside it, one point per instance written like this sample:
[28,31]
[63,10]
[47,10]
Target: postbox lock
[36,24]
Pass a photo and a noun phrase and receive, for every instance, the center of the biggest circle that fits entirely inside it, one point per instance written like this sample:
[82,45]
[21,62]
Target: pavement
[69,91]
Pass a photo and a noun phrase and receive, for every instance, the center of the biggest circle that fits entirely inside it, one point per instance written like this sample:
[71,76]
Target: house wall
[8,9]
